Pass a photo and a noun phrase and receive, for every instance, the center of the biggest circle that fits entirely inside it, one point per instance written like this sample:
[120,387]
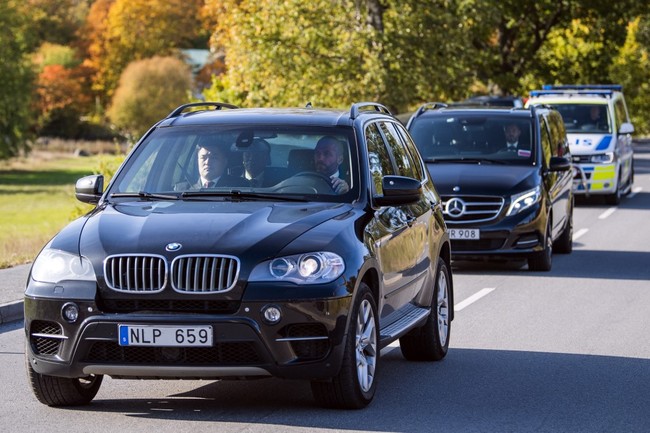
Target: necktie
[208,184]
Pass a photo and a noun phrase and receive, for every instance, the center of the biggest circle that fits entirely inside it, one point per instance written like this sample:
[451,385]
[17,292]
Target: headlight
[52,266]
[310,268]
[603,158]
[524,200]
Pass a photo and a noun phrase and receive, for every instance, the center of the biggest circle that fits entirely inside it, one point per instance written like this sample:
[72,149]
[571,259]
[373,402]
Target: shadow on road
[470,391]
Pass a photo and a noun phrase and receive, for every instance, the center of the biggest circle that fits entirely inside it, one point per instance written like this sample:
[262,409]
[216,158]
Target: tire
[615,198]
[355,385]
[564,244]
[430,342]
[542,261]
[63,391]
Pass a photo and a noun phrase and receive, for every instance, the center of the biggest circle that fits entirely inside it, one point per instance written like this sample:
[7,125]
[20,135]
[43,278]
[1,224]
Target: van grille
[471,209]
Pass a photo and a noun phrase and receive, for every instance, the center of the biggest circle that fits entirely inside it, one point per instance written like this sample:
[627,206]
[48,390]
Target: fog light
[70,312]
[271,314]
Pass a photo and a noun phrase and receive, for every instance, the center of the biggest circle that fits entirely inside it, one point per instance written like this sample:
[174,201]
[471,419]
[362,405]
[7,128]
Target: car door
[557,183]
[399,232]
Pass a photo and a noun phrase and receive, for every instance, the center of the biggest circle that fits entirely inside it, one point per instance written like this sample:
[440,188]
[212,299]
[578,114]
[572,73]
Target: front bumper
[595,179]
[516,236]
[307,343]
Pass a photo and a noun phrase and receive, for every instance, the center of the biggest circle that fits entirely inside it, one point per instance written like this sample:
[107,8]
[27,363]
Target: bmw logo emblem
[174,246]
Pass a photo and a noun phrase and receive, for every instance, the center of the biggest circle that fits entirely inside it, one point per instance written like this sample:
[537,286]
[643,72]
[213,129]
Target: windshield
[251,162]
[585,118]
[472,138]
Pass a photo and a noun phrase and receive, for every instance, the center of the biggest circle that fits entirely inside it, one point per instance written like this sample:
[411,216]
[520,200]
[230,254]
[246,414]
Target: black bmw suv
[504,175]
[246,243]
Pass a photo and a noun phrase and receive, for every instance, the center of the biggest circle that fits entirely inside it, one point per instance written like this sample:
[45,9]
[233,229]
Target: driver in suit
[328,156]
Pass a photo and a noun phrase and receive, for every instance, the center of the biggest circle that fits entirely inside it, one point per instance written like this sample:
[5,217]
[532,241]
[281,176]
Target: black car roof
[307,116]
[444,110]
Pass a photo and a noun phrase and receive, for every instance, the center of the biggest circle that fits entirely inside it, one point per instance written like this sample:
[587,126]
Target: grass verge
[37,200]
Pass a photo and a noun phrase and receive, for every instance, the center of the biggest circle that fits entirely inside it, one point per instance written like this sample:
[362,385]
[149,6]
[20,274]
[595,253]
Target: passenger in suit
[512,133]
[212,160]
[212,168]
[256,160]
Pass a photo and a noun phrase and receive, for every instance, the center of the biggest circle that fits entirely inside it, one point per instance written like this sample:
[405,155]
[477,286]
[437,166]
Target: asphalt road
[563,351]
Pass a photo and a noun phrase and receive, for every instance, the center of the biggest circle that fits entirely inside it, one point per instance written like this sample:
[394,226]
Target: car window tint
[379,159]
[412,150]
[167,161]
[545,141]
[400,154]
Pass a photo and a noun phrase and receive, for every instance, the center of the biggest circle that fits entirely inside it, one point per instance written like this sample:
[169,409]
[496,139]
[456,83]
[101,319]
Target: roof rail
[430,106]
[357,108]
[218,106]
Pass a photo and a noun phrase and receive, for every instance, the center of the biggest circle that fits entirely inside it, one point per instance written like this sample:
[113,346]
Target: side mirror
[559,163]
[89,189]
[399,190]
[626,128]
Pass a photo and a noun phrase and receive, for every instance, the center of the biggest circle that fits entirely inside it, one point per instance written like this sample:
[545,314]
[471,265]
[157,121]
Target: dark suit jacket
[224,181]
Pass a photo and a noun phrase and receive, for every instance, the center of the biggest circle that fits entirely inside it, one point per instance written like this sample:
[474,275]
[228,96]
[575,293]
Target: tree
[135,30]
[333,53]
[57,21]
[509,38]
[631,68]
[16,78]
[149,90]
[60,100]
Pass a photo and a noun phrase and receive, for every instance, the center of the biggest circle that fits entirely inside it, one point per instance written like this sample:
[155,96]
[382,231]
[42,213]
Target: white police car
[600,136]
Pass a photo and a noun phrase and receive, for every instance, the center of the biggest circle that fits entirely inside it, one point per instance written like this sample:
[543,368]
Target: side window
[401,155]
[621,115]
[413,152]
[559,144]
[545,141]
[379,160]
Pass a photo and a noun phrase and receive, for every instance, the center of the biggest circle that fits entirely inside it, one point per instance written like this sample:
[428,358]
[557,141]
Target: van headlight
[52,266]
[310,268]
[522,201]
[602,158]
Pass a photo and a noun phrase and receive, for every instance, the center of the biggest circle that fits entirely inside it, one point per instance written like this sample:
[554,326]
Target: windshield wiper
[145,195]
[237,195]
[467,160]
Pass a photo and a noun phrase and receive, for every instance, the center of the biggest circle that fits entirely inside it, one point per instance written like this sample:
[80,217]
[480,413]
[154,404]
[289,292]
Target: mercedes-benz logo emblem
[173,246]
[455,208]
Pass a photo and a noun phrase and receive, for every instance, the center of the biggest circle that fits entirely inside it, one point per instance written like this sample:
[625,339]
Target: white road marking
[475,297]
[579,234]
[634,192]
[607,213]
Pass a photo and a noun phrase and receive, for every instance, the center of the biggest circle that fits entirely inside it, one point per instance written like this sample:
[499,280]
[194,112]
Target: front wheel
[63,391]
[430,342]
[542,261]
[564,244]
[615,198]
[355,384]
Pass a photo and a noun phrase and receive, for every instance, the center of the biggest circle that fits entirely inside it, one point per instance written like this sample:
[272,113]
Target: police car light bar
[612,87]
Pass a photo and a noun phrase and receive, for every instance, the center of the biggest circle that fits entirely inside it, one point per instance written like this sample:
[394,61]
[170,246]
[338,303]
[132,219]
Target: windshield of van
[585,118]
[475,138]
[252,162]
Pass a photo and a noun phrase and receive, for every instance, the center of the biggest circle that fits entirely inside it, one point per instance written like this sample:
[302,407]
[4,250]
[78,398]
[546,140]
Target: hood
[488,179]
[588,144]
[258,229]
